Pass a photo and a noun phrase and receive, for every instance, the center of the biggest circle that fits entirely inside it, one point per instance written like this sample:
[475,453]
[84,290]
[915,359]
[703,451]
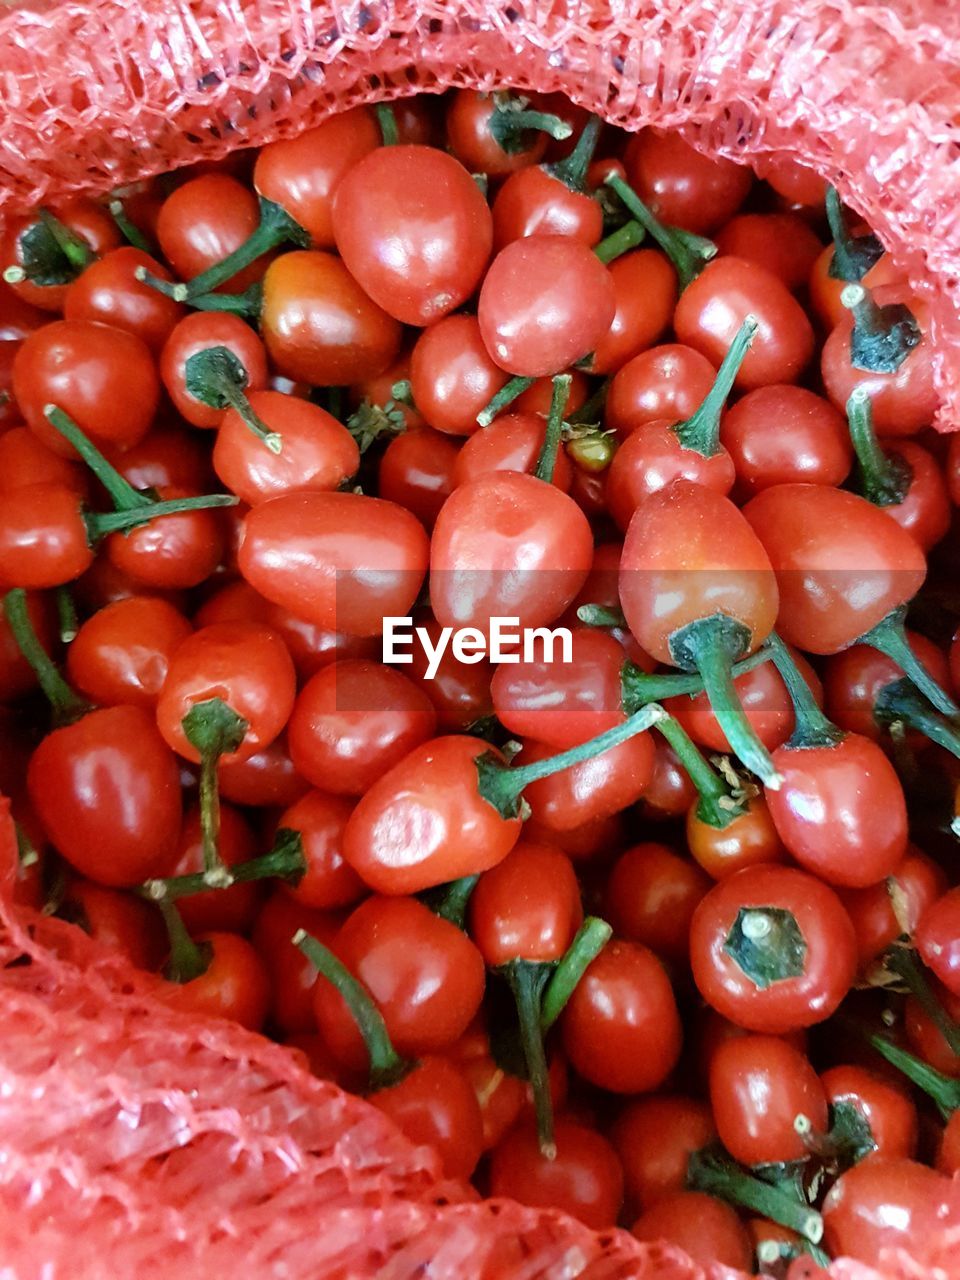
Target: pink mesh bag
[135,1141]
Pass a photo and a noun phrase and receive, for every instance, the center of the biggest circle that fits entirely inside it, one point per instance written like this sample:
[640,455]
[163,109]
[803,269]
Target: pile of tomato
[666,936]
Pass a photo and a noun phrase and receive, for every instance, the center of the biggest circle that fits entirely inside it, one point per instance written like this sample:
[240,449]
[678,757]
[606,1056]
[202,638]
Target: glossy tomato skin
[507,545]
[527,907]
[810,445]
[26,460]
[655,1138]
[245,665]
[841,811]
[87,219]
[565,704]
[203,221]
[712,309]
[854,678]
[354,720]
[938,939]
[705,1228]
[435,1106]
[424,823]
[650,459]
[645,287]
[417,472]
[318,324]
[651,896]
[328,882]
[413,230]
[104,378]
[621,1029]
[265,780]
[170,552]
[424,973]
[201,331]
[117,920]
[841,564]
[107,791]
[451,375]
[43,539]
[512,442]
[292,976]
[316,453]
[585,1179]
[828,963]
[314,553]
[667,382]
[234,986]
[169,456]
[887,1110]
[748,839]
[783,243]
[758,1087]
[122,653]
[469,136]
[545,302]
[689,554]
[683,187]
[883,1204]
[301,174]
[535,203]
[884,911]
[109,292]
[592,790]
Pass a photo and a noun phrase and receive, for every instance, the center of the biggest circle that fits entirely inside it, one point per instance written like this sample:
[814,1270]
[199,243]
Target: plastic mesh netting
[134,1141]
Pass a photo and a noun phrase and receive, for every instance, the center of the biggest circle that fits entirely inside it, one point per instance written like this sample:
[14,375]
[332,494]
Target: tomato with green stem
[115,919]
[704,1227]
[659,452]
[841,811]
[545,302]
[882,350]
[238,364]
[893,908]
[651,895]
[354,720]
[181,549]
[498,133]
[122,653]
[512,442]
[431,1101]
[682,185]
[342,561]
[451,375]
[782,243]
[687,252]
[216,975]
[849,259]
[584,1177]
[328,882]
[885,1112]
[654,1138]
[231,908]
[551,199]
[810,445]
[698,592]
[772,949]
[591,790]
[669,792]
[416,257]
[267,779]
[109,291]
[667,382]
[292,976]
[104,378]
[712,309]
[42,253]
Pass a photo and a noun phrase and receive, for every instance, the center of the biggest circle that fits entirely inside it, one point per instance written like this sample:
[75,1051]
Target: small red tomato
[109,292]
[938,939]
[204,220]
[651,896]
[895,906]
[435,1106]
[234,985]
[683,187]
[782,243]
[328,881]
[527,907]
[451,375]
[882,1205]
[122,653]
[292,976]
[811,443]
[655,1138]
[666,383]
[886,1110]
[705,1228]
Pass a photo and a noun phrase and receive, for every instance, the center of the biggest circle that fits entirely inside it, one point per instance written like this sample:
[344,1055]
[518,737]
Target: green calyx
[882,337]
[767,945]
[512,124]
[701,431]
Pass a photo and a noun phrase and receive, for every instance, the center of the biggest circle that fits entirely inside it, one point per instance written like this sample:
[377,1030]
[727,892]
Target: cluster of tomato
[584,926]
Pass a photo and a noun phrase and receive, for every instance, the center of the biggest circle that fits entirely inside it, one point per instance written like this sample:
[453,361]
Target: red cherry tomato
[43,537]
[650,459]
[759,1085]
[167,457]
[880,1205]
[353,721]
[811,443]
[854,678]
[25,460]
[527,907]
[645,287]
[200,332]
[180,550]
[537,202]
[107,791]
[884,911]
[417,471]
[670,791]
[782,243]
[292,976]
[267,779]
[665,383]
[233,908]
[435,1106]
[328,881]
[108,291]
[655,1138]
[123,652]
[340,560]
[748,839]
[235,984]
[712,309]
[924,1036]
[471,139]
[938,939]
[501,1097]
[413,230]
[203,221]
[512,442]
[318,324]
[683,187]
[452,376]
[705,1228]
[771,920]
[117,920]
[545,302]
[621,1029]
[85,218]
[886,1110]
[584,1179]
[651,896]
[594,789]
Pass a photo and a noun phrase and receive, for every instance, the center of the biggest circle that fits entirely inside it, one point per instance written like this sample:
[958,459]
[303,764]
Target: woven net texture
[135,1141]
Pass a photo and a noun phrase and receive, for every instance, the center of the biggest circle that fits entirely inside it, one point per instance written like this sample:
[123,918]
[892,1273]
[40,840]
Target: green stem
[592,936]
[188,959]
[620,241]
[122,494]
[386,1065]
[638,688]
[285,861]
[73,247]
[900,703]
[67,621]
[511,123]
[716,806]
[944,1090]
[711,646]
[903,962]
[502,785]
[812,728]
[852,258]
[506,395]
[719,1176]
[701,431]
[882,337]
[599,615]
[100,524]
[450,901]
[276,228]
[387,120]
[884,478]
[527,981]
[247,304]
[216,377]
[132,234]
[547,458]
[689,253]
[67,705]
[572,171]
[213,729]
[591,412]
[889,637]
